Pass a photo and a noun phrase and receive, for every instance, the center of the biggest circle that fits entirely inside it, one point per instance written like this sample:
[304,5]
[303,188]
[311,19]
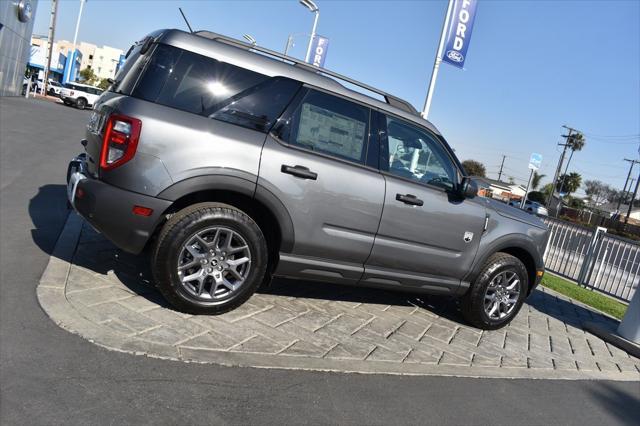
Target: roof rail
[388,98]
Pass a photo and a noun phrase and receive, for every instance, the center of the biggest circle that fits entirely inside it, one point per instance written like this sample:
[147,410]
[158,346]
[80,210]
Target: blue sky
[532,66]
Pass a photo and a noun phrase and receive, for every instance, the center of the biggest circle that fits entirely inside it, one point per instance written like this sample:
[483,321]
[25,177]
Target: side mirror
[468,188]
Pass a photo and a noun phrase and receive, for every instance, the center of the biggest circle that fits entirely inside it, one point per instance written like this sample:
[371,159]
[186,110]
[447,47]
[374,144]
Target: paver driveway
[95,290]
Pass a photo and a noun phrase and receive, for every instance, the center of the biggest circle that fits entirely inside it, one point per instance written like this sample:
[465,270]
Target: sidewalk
[92,289]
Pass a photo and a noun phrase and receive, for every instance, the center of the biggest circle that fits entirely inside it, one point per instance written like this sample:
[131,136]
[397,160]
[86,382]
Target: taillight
[120,141]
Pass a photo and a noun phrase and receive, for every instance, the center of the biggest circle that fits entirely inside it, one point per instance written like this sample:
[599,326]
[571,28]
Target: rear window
[201,85]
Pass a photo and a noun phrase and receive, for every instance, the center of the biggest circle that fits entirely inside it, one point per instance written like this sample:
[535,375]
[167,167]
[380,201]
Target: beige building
[102,60]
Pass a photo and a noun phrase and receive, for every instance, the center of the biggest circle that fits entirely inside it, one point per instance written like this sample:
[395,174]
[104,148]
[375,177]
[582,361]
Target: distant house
[499,190]
[611,209]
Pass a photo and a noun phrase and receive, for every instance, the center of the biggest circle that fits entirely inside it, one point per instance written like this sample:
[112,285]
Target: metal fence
[593,258]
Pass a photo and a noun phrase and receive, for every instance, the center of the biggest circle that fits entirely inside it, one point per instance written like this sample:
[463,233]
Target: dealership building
[16,26]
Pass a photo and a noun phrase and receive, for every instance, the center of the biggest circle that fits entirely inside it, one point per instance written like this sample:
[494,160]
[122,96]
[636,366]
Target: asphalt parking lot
[51,376]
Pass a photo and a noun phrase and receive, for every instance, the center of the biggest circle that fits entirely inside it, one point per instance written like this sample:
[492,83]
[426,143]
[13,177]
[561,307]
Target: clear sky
[532,66]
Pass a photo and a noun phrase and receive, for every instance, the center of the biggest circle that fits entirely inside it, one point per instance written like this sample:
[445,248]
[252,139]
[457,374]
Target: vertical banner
[459,32]
[319,49]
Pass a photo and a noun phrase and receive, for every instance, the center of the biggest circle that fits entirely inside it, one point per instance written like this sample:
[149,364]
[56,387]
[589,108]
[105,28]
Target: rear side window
[128,74]
[330,125]
[204,86]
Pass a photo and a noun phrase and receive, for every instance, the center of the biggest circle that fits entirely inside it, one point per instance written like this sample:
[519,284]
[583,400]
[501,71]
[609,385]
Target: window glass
[202,85]
[127,75]
[258,107]
[330,125]
[416,155]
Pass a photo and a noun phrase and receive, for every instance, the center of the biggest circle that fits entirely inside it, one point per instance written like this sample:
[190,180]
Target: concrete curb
[52,299]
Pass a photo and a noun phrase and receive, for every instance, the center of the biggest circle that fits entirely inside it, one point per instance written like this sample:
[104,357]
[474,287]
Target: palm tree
[575,142]
[535,180]
[570,183]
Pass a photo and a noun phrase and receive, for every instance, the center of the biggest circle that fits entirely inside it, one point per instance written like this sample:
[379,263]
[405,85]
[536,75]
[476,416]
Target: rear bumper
[110,209]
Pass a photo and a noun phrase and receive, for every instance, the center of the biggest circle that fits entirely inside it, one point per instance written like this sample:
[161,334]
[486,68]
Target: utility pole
[624,192]
[52,30]
[566,145]
[501,166]
[558,168]
[635,192]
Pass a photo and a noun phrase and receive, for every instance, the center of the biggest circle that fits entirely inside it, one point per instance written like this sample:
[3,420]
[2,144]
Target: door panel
[335,216]
[428,236]
[313,162]
[424,245]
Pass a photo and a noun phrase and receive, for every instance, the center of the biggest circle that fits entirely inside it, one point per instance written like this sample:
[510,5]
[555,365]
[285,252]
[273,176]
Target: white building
[102,60]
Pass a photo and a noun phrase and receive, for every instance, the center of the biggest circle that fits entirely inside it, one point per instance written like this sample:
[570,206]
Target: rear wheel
[209,258]
[81,103]
[498,293]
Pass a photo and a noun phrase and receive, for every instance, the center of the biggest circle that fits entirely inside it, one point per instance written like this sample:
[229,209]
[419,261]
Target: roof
[494,182]
[75,83]
[272,63]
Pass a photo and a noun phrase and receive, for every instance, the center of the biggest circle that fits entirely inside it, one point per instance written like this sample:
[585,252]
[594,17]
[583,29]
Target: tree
[88,76]
[104,83]
[535,180]
[546,190]
[512,181]
[598,192]
[569,182]
[576,203]
[537,197]
[576,142]
[474,168]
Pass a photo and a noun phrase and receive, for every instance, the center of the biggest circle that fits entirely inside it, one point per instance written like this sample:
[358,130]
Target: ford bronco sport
[233,163]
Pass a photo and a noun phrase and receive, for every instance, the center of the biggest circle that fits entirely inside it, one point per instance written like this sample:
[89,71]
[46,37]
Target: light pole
[75,35]
[314,9]
[250,39]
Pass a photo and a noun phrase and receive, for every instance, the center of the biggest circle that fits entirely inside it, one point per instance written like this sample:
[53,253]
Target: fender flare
[241,183]
[518,241]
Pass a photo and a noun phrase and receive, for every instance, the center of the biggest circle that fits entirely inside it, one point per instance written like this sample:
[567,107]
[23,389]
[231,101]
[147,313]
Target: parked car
[53,88]
[531,207]
[233,166]
[80,95]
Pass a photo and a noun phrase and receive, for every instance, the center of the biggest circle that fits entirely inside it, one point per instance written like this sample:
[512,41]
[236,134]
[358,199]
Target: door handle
[409,199]
[299,171]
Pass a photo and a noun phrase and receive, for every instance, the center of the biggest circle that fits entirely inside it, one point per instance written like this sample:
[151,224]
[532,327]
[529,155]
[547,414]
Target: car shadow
[100,256]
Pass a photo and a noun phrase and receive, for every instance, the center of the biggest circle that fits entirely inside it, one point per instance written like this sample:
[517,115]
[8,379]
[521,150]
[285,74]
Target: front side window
[414,154]
[205,86]
[330,125]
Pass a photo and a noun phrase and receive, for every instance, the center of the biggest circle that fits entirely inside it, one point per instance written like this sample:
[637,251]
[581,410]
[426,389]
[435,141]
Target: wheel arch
[262,206]
[519,247]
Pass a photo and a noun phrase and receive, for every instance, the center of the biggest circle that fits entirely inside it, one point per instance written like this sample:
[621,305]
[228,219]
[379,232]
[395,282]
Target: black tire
[182,226]
[81,103]
[473,309]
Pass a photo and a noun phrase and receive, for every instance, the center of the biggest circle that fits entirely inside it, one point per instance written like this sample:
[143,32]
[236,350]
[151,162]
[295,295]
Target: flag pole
[436,63]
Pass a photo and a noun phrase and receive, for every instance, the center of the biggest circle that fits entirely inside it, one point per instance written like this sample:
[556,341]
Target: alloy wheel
[214,263]
[501,296]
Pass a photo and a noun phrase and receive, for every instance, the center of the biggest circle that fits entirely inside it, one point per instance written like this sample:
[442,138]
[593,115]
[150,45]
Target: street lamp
[309,4]
[250,39]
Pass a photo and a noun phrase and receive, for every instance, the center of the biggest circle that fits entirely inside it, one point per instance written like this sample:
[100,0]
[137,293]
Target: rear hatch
[107,103]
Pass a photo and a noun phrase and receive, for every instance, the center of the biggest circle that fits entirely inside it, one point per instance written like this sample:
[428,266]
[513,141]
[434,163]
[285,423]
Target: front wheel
[209,258]
[498,293]
[81,103]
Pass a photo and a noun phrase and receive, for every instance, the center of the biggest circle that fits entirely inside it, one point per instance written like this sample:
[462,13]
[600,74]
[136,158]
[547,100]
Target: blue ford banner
[319,49]
[459,32]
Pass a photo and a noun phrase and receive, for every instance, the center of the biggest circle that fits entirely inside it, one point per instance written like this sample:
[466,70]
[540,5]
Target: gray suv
[233,164]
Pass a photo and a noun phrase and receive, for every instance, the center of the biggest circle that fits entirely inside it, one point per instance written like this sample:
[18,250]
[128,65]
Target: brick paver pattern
[302,319]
